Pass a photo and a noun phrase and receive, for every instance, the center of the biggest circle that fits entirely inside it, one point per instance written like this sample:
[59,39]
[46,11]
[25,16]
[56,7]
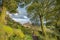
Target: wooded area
[44,16]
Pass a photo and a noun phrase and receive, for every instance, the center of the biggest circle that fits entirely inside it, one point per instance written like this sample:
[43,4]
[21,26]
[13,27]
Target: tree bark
[3,15]
[42,27]
[34,36]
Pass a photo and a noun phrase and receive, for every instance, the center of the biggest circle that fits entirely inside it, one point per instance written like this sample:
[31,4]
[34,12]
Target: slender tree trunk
[34,36]
[57,37]
[3,15]
[42,27]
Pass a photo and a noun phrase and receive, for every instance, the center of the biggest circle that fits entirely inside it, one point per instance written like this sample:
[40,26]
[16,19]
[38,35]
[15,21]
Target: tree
[7,5]
[39,9]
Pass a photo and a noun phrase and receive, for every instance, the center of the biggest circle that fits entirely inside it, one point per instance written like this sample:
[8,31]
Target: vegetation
[44,16]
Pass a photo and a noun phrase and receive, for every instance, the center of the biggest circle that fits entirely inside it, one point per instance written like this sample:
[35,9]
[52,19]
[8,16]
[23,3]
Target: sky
[21,16]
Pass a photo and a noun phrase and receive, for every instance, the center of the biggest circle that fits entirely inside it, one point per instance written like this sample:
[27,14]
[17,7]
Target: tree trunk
[42,27]
[3,15]
[34,36]
[57,37]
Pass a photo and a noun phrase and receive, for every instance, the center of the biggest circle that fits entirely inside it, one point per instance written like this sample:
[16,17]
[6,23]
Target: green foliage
[12,23]
[11,5]
[39,9]
[28,37]
[7,32]
[19,33]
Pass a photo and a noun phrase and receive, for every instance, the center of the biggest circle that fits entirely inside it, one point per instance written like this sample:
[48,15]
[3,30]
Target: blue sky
[21,16]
